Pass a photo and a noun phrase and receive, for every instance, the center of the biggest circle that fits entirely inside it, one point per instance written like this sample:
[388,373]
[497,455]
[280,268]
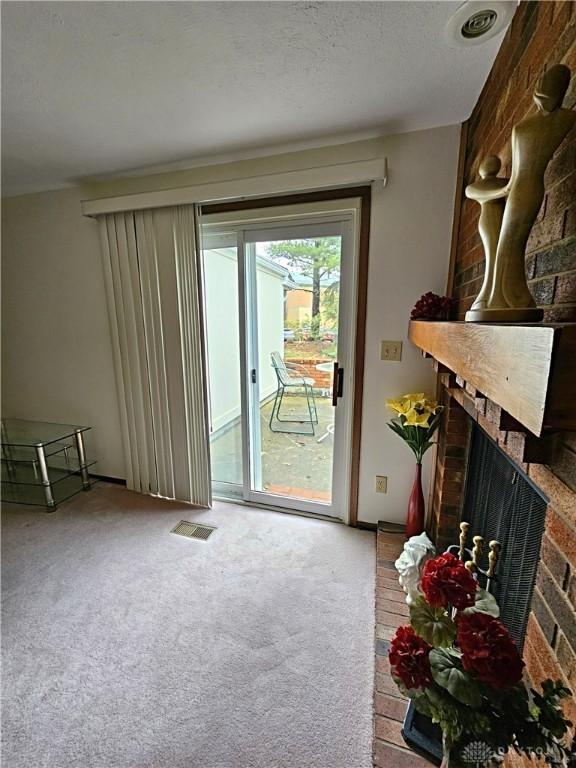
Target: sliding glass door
[280,350]
[222,303]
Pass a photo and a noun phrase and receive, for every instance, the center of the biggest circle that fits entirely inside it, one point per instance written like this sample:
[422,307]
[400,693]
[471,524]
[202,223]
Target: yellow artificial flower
[416,407]
[417,418]
[415,397]
[401,406]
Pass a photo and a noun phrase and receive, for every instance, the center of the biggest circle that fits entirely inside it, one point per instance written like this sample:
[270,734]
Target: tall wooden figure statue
[489,224]
[505,297]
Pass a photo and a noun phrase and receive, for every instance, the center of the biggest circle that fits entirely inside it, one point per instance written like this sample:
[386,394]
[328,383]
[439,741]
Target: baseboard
[106,479]
[366,526]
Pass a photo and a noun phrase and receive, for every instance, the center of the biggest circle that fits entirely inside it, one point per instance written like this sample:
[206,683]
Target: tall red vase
[415,518]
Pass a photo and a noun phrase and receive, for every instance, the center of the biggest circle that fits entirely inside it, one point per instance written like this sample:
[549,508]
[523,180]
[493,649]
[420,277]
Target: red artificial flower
[488,650]
[446,581]
[430,306]
[409,658]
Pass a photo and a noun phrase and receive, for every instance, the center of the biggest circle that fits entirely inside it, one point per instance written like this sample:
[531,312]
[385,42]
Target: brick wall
[307,367]
[450,475]
[541,34]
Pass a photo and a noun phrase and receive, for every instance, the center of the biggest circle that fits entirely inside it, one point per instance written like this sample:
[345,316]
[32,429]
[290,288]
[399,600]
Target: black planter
[422,736]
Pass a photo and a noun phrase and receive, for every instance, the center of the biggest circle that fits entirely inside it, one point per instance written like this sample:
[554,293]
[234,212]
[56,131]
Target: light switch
[391,350]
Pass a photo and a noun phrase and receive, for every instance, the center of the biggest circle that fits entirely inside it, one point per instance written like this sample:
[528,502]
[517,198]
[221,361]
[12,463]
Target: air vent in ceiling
[476,21]
[479,23]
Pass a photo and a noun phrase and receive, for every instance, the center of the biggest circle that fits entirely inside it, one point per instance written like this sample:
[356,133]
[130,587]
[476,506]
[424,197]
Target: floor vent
[192,530]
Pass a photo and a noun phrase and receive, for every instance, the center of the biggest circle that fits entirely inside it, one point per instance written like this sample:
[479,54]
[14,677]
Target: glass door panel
[297,285]
[293,285]
[279,304]
[221,303]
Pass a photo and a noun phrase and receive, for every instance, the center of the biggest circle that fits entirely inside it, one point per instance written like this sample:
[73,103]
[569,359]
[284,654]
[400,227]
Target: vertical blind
[152,268]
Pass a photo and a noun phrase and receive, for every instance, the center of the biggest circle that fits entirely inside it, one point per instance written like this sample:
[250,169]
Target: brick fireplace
[549,648]
[541,34]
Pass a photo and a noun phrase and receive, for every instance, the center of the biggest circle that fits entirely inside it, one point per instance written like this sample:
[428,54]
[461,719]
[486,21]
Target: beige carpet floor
[126,646]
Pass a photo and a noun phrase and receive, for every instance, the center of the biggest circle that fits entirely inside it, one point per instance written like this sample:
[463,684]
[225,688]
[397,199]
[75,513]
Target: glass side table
[43,463]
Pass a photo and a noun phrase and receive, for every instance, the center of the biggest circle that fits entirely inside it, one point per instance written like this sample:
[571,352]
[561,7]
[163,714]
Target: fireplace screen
[501,504]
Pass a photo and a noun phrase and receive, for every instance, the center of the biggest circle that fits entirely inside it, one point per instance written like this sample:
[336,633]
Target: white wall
[409,255]
[57,357]
[56,349]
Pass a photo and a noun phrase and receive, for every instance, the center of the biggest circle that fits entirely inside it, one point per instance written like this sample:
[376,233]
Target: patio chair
[287,377]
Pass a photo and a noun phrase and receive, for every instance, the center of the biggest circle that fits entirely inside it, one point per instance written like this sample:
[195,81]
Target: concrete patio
[297,465]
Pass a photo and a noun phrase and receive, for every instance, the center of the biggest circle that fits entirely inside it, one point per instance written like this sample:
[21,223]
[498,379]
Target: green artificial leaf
[402,431]
[550,717]
[425,446]
[534,712]
[485,603]
[434,423]
[432,624]
[447,671]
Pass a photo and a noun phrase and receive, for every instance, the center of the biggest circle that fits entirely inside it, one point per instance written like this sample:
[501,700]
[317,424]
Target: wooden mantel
[528,370]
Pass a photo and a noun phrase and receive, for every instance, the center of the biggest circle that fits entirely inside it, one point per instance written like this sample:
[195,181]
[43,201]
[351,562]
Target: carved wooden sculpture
[489,224]
[505,296]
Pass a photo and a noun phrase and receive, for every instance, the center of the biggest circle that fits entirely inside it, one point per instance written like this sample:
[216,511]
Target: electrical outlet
[381,484]
[391,350]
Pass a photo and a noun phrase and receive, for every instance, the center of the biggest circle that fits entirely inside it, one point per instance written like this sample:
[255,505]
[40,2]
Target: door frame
[364,195]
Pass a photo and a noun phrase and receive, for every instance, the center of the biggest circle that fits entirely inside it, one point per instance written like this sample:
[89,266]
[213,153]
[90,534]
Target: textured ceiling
[97,88]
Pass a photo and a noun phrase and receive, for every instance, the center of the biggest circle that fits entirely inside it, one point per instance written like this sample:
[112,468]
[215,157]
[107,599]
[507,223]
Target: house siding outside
[222,322]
